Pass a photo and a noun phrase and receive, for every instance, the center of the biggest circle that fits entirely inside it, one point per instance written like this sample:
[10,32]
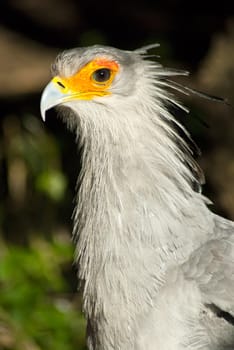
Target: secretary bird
[155,264]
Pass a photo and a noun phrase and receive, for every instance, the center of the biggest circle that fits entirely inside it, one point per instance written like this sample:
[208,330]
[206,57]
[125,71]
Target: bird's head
[94,78]
[112,97]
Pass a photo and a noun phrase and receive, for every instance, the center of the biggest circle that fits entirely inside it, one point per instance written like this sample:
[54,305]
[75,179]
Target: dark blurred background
[39,305]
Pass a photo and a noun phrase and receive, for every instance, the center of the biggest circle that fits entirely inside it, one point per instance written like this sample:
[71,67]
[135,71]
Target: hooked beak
[51,97]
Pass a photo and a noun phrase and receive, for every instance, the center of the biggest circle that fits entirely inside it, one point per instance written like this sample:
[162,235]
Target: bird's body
[155,264]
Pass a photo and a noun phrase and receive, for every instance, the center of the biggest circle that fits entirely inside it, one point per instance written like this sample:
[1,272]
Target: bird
[155,264]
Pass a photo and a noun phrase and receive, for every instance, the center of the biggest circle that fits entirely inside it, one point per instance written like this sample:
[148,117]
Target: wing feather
[212,266]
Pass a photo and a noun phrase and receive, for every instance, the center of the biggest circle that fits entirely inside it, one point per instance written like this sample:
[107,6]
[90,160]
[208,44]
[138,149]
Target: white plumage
[155,264]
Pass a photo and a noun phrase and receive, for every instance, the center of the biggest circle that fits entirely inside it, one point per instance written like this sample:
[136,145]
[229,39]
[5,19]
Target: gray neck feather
[134,201]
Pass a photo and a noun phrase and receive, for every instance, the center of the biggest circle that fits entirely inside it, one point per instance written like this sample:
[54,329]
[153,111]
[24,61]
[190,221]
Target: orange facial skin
[82,85]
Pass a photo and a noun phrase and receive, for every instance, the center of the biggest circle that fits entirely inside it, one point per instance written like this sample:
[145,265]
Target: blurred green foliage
[40,307]
[37,311]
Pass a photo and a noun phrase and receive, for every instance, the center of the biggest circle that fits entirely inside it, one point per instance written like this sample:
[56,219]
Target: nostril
[60,84]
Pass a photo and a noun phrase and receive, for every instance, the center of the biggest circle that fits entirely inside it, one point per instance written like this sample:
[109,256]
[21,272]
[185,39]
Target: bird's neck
[134,199]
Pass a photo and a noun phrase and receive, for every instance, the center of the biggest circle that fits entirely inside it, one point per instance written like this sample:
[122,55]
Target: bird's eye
[101,75]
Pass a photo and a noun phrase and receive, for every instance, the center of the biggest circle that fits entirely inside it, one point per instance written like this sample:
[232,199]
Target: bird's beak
[62,89]
[51,97]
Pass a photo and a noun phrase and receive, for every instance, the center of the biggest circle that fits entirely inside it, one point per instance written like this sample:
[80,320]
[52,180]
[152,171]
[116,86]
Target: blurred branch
[24,64]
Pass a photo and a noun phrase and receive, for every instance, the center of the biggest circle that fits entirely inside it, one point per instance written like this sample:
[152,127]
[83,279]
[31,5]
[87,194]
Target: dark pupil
[101,75]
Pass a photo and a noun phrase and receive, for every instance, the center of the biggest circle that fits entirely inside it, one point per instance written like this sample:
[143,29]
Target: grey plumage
[155,264]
